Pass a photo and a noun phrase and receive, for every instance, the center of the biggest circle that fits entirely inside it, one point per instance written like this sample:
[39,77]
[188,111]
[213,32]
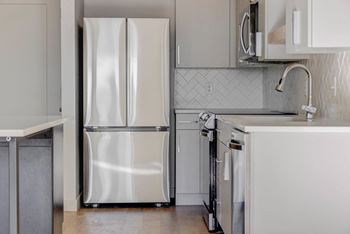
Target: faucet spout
[310,110]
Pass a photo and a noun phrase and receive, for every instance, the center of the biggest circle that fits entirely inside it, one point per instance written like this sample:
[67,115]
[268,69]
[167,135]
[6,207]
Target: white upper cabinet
[271,25]
[317,26]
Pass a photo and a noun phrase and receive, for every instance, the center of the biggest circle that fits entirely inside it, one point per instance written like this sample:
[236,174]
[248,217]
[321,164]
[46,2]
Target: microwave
[248,39]
[255,24]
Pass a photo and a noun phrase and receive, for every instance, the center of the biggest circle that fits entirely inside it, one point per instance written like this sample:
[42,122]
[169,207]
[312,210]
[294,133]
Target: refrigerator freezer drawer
[126,167]
[104,72]
[148,72]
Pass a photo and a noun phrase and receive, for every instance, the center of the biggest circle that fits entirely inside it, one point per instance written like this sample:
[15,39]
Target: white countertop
[22,126]
[221,111]
[283,124]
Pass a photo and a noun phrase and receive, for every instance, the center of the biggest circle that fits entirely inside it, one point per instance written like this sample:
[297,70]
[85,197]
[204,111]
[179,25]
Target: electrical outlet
[334,86]
[210,88]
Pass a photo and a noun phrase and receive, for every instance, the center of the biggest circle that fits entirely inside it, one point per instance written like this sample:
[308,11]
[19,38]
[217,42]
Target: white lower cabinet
[287,181]
[191,170]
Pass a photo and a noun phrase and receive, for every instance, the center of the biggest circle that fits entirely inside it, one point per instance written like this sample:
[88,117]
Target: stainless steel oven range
[208,151]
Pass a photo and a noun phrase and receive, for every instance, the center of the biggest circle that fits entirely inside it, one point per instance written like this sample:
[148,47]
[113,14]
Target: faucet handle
[309,109]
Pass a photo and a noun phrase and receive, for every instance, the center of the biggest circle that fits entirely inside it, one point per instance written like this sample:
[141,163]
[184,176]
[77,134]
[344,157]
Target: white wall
[72,13]
[327,70]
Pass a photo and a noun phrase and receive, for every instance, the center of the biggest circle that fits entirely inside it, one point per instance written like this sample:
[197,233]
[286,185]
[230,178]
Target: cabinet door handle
[178,55]
[296,27]
[187,121]
[218,161]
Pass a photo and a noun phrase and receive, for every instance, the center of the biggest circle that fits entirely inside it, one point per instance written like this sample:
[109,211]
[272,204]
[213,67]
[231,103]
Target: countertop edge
[32,130]
[294,129]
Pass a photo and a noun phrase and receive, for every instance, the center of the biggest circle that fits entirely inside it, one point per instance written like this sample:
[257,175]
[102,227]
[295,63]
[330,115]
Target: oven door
[204,161]
[207,159]
[245,42]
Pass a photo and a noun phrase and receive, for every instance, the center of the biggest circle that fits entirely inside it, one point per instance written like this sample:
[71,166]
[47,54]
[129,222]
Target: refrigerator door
[104,72]
[126,167]
[148,72]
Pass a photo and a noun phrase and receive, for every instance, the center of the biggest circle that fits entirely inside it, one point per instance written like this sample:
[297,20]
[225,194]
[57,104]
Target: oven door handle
[187,121]
[246,49]
[235,146]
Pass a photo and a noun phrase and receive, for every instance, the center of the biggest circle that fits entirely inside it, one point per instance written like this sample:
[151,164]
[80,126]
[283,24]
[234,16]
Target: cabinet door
[224,188]
[187,162]
[30,58]
[202,33]
[314,27]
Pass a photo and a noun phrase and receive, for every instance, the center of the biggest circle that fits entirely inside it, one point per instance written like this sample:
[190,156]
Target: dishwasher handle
[235,145]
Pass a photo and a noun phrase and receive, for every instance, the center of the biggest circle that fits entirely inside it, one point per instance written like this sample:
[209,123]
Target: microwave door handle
[245,17]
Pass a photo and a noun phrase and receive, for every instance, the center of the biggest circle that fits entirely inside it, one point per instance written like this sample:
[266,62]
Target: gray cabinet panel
[35,179]
[35,186]
[187,162]
[202,33]
[32,43]
[4,192]
[187,121]
[233,32]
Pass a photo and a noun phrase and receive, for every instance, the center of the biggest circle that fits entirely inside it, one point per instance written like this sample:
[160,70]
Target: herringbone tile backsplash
[331,86]
[219,88]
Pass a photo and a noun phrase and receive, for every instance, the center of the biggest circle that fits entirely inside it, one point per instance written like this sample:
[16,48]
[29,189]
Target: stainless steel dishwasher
[230,175]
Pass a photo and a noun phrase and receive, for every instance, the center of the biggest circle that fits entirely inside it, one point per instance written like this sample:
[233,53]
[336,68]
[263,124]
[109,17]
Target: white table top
[22,126]
[284,124]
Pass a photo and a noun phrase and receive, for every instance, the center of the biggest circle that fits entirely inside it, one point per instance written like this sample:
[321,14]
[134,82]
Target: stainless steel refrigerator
[126,110]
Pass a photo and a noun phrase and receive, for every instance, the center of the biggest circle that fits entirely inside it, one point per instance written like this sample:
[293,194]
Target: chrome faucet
[310,110]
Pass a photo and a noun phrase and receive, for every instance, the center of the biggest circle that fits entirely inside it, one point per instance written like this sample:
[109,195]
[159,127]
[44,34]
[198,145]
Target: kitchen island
[288,174]
[31,174]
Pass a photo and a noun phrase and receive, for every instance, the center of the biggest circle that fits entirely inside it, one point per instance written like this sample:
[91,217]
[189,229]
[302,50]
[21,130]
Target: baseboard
[196,199]
[73,204]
